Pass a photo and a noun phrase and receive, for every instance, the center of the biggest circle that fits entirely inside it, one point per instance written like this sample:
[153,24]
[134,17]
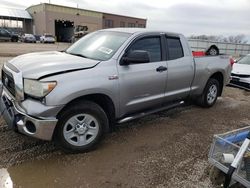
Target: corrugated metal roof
[14,13]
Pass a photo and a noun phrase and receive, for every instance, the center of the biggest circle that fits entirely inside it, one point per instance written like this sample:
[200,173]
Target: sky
[190,17]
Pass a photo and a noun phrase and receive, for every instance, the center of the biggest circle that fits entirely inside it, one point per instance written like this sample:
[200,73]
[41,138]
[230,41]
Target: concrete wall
[44,16]
[39,22]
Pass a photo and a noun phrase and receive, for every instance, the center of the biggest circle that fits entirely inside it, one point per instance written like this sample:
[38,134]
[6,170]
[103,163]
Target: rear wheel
[210,94]
[81,127]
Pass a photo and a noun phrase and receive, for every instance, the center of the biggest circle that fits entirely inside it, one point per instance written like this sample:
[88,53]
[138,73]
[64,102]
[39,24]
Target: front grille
[241,75]
[8,82]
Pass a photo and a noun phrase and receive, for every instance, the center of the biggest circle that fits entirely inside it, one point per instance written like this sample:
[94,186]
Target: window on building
[141,25]
[122,24]
[11,23]
[109,23]
[150,44]
[174,46]
[1,23]
[131,24]
[20,24]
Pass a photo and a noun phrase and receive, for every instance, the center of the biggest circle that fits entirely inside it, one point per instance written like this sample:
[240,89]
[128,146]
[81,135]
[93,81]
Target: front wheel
[210,94]
[81,127]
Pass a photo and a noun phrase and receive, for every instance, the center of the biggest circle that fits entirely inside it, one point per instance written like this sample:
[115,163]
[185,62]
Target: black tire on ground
[82,107]
[213,51]
[209,96]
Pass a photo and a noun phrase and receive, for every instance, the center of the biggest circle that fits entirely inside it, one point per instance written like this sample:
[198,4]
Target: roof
[14,13]
[139,30]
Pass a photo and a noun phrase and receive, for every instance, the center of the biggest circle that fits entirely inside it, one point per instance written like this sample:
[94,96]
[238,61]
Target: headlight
[37,88]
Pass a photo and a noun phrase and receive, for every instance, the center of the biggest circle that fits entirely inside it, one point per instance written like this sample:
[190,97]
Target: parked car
[5,35]
[37,37]
[107,77]
[28,38]
[240,76]
[216,48]
[47,38]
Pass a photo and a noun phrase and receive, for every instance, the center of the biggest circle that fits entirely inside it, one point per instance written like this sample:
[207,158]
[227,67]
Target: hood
[37,65]
[241,69]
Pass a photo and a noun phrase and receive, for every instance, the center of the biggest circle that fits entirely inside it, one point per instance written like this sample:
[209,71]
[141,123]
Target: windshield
[245,60]
[100,45]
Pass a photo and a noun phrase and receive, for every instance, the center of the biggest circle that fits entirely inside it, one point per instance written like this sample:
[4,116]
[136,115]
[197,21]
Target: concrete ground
[167,149]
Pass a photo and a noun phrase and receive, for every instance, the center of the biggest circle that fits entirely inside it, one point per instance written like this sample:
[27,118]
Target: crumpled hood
[241,69]
[37,65]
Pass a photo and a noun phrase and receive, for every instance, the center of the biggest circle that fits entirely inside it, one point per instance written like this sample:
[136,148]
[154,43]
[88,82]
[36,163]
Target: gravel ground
[167,149]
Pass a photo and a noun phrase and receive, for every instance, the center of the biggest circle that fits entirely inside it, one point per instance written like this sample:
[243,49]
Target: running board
[136,116]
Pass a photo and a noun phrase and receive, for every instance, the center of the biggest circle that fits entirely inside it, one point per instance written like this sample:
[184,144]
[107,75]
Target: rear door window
[175,50]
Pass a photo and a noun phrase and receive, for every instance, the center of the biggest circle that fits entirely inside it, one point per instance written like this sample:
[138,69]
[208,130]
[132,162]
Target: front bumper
[49,41]
[41,128]
[243,83]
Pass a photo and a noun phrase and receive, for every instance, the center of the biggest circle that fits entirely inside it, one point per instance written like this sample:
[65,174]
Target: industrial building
[16,20]
[62,21]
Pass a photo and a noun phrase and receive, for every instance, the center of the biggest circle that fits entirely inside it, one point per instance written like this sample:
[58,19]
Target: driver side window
[150,44]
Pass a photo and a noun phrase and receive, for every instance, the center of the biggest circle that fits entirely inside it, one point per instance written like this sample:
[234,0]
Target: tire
[210,94]
[213,51]
[84,123]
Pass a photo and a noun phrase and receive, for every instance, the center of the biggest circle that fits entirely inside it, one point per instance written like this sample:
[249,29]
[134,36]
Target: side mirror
[136,56]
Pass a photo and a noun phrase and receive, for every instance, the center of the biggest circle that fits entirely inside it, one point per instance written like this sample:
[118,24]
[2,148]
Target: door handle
[161,69]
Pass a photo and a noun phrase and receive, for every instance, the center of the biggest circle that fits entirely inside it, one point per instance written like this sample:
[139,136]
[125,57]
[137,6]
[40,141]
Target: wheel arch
[104,101]
[220,78]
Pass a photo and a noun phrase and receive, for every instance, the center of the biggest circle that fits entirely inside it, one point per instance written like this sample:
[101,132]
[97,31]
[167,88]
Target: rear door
[180,69]
[142,85]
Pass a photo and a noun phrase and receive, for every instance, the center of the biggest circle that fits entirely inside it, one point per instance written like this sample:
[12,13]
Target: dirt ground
[167,149]
[17,48]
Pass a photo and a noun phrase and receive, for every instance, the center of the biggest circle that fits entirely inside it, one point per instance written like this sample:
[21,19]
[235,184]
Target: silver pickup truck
[105,78]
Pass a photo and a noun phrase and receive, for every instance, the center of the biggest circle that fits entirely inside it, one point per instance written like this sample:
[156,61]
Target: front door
[142,85]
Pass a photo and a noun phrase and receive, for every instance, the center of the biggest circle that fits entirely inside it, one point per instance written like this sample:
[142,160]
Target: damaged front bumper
[16,118]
